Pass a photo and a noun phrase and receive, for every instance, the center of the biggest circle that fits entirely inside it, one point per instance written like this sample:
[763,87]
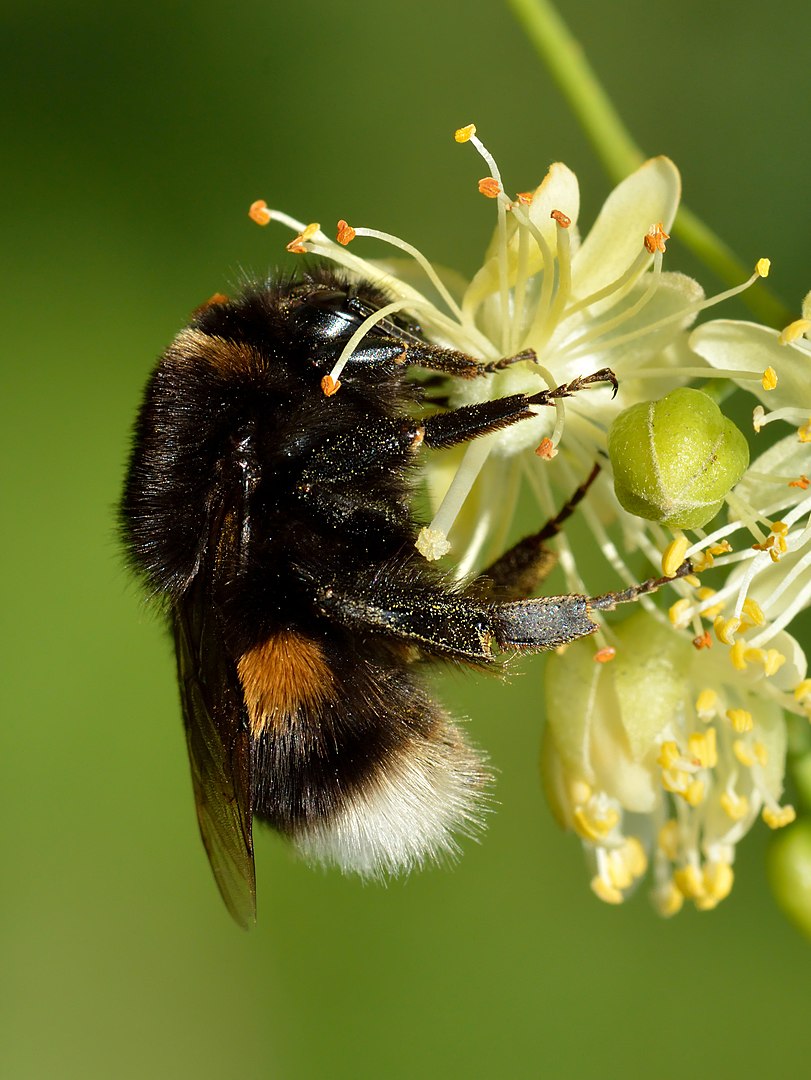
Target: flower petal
[745,346]
[559,190]
[646,197]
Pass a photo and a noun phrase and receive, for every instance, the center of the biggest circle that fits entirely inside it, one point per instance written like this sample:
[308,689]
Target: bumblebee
[272,518]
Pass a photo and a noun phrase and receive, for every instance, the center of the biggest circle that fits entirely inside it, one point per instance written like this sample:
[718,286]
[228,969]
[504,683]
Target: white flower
[670,749]
[581,307]
[665,755]
[741,350]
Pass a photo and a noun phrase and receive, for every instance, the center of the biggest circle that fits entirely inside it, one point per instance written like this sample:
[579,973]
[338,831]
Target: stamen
[734,806]
[462,134]
[298,246]
[668,899]
[676,316]
[634,271]
[415,254]
[725,629]
[794,331]
[489,187]
[580,346]
[361,332]
[603,656]
[475,456]
[495,176]
[655,239]
[546,449]
[769,380]
[741,720]
[790,414]
[594,822]
[606,891]
[707,704]
[564,262]
[259,212]
[673,555]
[346,234]
[777,817]
[540,327]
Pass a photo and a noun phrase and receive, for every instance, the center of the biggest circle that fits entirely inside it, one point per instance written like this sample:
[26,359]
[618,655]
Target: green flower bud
[790,873]
[675,460]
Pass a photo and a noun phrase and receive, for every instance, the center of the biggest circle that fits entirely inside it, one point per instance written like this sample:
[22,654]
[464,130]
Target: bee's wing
[219,749]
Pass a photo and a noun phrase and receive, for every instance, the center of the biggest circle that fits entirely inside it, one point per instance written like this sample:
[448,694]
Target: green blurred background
[134,139]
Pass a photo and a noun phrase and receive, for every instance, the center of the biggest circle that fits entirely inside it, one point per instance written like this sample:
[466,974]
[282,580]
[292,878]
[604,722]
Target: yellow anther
[707,704]
[802,693]
[703,746]
[619,873]
[673,555]
[740,719]
[758,417]
[804,432]
[668,900]
[737,654]
[778,817]
[779,528]
[579,792]
[769,380]
[760,752]
[753,611]
[718,880]
[705,903]
[679,613]
[635,858]
[793,331]
[689,881]
[773,662]
[762,267]
[606,891]
[734,806]
[743,753]
[669,754]
[725,629]
[463,134]
[594,826]
[702,560]
[691,579]
[705,593]
[296,246]
[675,781]
[721,548]
[694,795]
[668,840]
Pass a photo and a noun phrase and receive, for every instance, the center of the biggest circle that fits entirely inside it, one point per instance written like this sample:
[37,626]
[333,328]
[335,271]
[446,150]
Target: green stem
[619,154]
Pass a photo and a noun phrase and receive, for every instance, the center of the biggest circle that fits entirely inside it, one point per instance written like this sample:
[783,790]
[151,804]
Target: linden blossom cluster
[666,735]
